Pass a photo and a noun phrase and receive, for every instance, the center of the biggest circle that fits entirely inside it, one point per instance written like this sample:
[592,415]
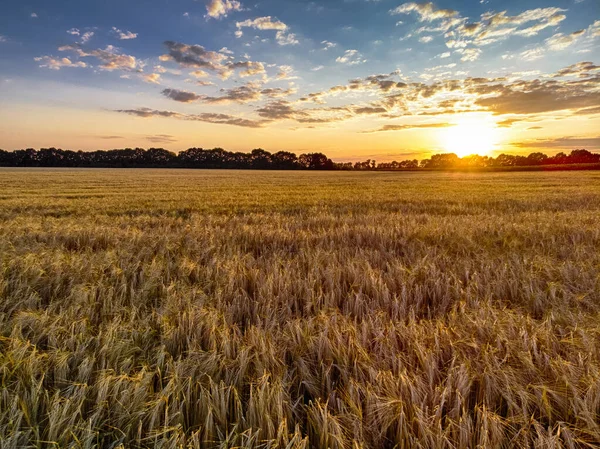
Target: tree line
[264,160]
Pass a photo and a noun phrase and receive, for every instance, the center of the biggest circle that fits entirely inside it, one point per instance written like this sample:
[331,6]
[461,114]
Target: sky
[355,79]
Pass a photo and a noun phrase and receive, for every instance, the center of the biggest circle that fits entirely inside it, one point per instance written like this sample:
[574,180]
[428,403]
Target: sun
[473,135]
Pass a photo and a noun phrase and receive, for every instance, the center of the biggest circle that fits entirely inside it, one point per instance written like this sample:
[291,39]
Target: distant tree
[412,164]
[446,160]
[583,157]
[343,165]
[260,159]
[475,161]
[536,158]
[505,160]
[284,160]
[315,161]
[365,165]
[157,157]
[7,158]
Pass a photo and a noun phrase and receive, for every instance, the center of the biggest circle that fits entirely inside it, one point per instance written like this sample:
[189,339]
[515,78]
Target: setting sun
[470,136]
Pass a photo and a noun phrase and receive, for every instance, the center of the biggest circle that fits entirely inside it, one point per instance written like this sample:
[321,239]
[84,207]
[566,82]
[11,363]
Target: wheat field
[248,309]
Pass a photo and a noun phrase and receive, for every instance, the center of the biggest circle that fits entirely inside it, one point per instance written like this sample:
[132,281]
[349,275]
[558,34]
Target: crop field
[249,309]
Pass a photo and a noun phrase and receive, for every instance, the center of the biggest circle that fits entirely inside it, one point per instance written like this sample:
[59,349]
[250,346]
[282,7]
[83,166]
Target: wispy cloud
[571,142]
[110,57]
[152,78]
[221,119]
[161,138]
[282,35]
[220,8]
[409,126]
[52,63]
[351,57]
[124,35]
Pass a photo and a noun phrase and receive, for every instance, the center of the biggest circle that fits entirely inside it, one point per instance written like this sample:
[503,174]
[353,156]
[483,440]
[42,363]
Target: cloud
[110,57]
[328,45]
[560,41]
[86,37]
[248,68]
[161,138]
[247,93]
[241,94]
[196,56]
[493,26]
[277,110]
[199,74]
[222,119]
[282,36]
[110,137]
[426,11]
[2,38]
[124,35]
[405,127]
[220,8]
[589,111]
[381,82]
[538,97]
[556,42]
[58,63]
[507,123]
[452,43]
[594,29]
[317,68]
[284,110]
[181,95]
[533,54]
[278,92]
[582,69]
[561,142]
[530,15]
[201,82]
[153,78]
[426,39]
[34,15]
[369,110]
[469,54]
[263,23]
[500,95]
[285,72]
[351,57]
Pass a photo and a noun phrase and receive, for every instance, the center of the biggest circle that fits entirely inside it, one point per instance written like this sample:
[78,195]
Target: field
[248,309]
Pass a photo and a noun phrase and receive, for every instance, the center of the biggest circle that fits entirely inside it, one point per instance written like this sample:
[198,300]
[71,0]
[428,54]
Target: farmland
[252,309]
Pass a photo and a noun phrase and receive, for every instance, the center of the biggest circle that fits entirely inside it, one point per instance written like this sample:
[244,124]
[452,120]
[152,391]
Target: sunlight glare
[471,136]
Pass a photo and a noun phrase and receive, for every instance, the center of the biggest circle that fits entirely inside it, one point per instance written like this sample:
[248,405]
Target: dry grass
[224,309]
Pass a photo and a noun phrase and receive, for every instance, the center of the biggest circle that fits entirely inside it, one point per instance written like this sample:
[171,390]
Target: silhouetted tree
[315,161]
[284,160]
[262,159]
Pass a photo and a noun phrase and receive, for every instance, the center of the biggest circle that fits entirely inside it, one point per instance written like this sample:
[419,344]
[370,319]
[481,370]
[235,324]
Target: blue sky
[349,77]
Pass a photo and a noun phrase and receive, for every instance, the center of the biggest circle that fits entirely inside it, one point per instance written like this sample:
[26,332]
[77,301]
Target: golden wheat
[246,309]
